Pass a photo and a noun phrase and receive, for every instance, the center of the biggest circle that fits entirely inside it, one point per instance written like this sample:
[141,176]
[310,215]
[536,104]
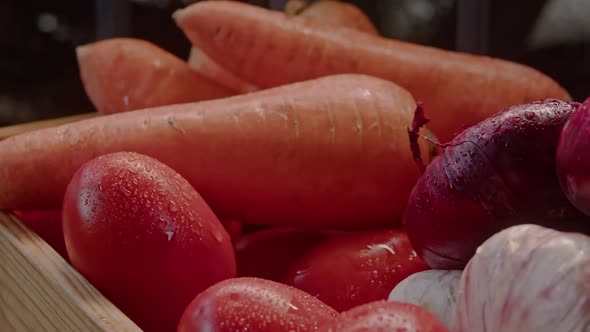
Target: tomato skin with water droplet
[254,304]
[151,252]
[356,268]
[384,316]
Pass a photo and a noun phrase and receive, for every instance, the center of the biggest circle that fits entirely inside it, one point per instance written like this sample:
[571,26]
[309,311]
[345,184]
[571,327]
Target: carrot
[268,48]
[330,152]
[338,14]
[122,74]
[205,66]
[335,13]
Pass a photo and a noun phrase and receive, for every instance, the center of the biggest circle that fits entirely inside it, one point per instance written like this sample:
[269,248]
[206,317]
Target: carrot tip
[178,15]
[81,51]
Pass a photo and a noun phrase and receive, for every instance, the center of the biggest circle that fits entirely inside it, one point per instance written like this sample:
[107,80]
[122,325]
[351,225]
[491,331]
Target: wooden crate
[40,291]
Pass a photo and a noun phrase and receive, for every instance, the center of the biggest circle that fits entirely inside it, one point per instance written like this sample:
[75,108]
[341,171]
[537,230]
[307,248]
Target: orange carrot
[338,14]
[334,13]
[330,152]
[122,74]
[268,48]
[202,64]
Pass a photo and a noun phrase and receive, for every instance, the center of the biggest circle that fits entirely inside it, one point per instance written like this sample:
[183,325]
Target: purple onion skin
[573,158]
[496,174]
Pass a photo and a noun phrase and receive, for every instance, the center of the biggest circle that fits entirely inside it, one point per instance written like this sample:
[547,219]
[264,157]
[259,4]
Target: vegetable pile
[300,172]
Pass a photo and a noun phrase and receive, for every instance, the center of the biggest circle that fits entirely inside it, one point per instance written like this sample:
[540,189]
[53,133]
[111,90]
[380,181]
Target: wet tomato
[143,236]
[357,268]
[253,304]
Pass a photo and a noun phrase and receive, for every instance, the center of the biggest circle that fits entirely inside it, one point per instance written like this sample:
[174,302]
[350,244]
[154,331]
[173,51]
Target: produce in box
[458,89]
[498,173]
[144,237]
[331,13]
[357,268]
[125,74]
[433,290]
[527,278]
[290,156]
[384,316]
[253,304]
[321,148]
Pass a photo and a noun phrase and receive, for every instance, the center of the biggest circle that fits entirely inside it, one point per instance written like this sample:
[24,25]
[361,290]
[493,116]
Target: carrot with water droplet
[123,74]
[268,48]
[324,153]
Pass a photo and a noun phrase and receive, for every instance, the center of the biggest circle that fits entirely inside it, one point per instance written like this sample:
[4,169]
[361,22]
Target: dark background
[38,70]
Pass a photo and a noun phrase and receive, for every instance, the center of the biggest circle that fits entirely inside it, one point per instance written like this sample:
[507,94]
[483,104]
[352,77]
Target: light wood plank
[40,291]
[30,126]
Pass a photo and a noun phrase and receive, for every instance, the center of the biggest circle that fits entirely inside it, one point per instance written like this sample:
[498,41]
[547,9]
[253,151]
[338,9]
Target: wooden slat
[40,291]
[30,126]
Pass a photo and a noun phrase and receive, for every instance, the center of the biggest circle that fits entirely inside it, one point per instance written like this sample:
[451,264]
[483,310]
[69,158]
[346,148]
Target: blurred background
[40,80]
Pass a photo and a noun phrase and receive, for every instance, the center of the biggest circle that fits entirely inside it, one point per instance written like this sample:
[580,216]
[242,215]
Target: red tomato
[253,304]
[269,253]
[144,237]
[355,269]
[385,316]
[46,224]
[233,228]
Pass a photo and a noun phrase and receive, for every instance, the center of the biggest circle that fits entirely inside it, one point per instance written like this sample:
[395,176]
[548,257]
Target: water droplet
[218,236]
[170,234]
[126,191]
[173,206]
[292,308]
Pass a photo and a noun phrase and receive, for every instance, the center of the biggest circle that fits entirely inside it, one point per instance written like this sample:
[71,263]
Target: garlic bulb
[434,290]
[527,278]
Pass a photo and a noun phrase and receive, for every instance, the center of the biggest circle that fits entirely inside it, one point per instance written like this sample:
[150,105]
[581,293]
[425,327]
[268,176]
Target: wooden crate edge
[40,291]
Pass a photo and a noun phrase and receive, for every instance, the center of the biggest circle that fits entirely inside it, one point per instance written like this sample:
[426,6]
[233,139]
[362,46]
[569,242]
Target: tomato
[254,304]
[233,228]
[144,237]
[46,224]
[385,316]
[269,253]
[357,268]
